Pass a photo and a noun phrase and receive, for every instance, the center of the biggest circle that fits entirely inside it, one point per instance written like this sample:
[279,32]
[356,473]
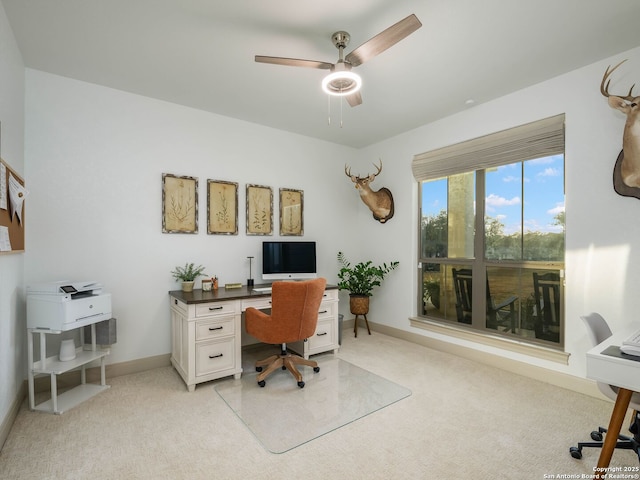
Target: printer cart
[52,366]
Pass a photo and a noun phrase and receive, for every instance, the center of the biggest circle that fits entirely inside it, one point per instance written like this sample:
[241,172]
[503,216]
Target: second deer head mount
[626,173]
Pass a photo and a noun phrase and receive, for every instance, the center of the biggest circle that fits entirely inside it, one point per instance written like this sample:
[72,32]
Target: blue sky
[542,199]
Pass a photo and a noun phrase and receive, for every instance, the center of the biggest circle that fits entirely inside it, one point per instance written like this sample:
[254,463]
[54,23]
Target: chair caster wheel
[262,383]
[575,452]
[316,369]
[596,436]
[258,369]
[301,384]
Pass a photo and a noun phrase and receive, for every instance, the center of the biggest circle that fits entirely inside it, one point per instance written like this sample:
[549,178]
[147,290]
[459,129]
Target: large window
[492,234]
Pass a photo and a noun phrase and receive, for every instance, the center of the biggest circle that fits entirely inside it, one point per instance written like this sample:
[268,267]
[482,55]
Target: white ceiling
[200,53]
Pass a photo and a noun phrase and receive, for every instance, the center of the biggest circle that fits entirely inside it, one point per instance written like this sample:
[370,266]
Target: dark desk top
[199,296]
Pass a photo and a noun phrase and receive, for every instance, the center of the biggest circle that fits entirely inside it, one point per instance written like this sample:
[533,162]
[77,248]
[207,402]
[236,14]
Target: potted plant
[187,275]
[359,280]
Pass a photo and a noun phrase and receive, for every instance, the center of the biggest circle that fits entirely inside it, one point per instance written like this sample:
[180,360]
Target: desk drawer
[215,356]
[219,327]
[259,303]
[323,336]
[331,295]
[215,308]
[178,306]
[327,310]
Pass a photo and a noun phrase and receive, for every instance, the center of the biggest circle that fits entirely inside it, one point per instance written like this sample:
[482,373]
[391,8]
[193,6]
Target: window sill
[537,351]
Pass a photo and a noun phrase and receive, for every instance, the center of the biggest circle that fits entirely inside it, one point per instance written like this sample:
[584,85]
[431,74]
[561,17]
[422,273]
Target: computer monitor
[283,260]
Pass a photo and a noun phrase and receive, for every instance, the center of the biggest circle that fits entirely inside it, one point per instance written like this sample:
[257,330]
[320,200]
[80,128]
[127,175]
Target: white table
[53,367]
[622,373]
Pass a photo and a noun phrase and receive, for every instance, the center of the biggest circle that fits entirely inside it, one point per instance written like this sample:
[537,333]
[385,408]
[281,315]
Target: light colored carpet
[462,420]
[283,416]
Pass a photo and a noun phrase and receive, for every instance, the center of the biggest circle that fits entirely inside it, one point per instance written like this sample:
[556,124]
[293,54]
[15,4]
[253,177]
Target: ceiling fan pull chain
[329,110]
[341,102]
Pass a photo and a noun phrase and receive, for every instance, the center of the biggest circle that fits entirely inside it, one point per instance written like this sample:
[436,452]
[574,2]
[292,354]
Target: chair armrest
[257,314]
[506,303]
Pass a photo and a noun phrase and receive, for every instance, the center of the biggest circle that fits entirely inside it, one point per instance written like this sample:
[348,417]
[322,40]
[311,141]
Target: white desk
[207,331]
[618,371]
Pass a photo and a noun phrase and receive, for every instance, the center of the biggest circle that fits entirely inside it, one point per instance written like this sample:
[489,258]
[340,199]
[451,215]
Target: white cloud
[559,208]
[545,160]
[549,172]
[494,200]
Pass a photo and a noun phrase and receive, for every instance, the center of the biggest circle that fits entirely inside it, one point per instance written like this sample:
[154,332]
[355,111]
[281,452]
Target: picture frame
[222,207]
[291,212]
[259,210]
[179,204]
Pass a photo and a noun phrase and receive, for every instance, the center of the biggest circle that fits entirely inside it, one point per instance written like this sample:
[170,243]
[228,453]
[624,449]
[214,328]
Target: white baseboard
[10,417]
[559,379]
[69,379]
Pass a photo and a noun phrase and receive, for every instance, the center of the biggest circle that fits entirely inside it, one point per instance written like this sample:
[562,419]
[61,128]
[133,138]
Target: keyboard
[262,290]
[631,344]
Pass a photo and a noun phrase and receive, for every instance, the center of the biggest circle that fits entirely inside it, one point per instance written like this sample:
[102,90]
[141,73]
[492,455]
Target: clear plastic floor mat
[283,416]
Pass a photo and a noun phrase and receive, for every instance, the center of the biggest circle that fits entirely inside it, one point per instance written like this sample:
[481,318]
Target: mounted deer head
[627,169]
[379,202]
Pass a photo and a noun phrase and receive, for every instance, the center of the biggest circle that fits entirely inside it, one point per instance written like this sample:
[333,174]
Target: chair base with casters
[284,361]
[623,443]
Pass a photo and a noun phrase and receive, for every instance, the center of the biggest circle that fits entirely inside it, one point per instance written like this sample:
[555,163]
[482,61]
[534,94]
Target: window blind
[525,142]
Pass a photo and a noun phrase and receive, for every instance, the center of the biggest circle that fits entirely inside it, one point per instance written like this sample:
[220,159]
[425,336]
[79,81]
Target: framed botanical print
[222,207]
[291,212]
[179,204]
[259,210]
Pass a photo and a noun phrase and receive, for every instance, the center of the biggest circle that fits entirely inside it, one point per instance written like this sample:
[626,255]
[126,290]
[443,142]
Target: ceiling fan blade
[354,99]
[294,62]
[383,40]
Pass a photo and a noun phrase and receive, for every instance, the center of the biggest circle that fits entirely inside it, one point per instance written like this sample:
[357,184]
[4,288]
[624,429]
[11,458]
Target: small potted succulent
[187,275]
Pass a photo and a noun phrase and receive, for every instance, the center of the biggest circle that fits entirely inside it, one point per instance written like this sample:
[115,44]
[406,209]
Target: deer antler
[347,172]
[379,168]
[604,89]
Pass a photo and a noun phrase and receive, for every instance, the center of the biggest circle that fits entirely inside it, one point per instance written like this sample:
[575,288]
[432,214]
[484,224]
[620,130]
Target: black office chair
[546,290]
[502,314]
[599,331]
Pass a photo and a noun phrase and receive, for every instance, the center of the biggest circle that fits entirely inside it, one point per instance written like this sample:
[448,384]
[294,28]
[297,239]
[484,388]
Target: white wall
[94,163]
[12,319]
[603,228]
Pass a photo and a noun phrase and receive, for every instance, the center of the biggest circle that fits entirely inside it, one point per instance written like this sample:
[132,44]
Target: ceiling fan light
[341,83]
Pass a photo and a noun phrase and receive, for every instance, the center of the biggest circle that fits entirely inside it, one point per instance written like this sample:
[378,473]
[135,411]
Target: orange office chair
[294,316]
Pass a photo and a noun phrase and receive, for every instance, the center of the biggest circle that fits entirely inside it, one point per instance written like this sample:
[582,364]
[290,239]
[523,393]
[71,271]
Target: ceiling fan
[342,81]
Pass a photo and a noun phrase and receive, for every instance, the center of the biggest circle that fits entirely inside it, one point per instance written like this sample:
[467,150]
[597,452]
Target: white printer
[66,305]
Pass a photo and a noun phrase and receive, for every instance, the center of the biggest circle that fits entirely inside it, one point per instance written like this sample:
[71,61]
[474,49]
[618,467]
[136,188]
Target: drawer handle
[215,308]
[321,334]
[175,302]
[211,329]
[215,356]
[322,311]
